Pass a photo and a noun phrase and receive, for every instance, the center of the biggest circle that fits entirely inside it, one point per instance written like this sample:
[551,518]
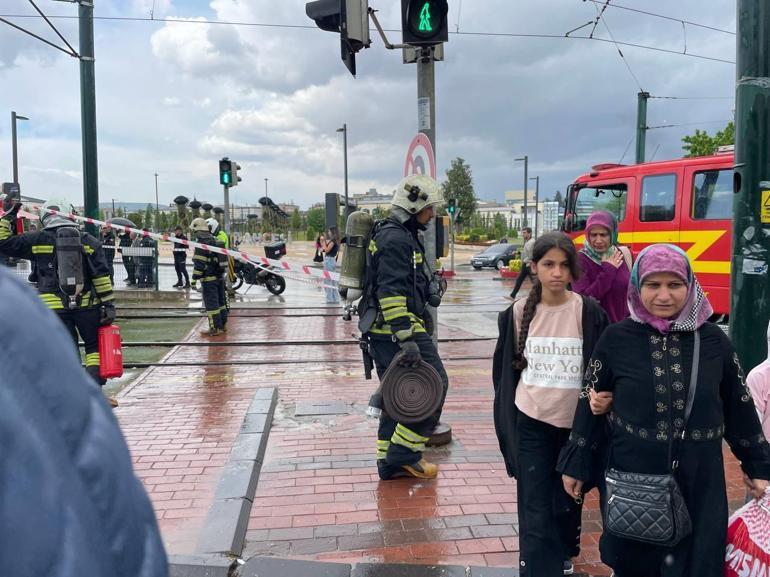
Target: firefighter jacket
[180,250]
[399,279]
[39,246]
[208,266]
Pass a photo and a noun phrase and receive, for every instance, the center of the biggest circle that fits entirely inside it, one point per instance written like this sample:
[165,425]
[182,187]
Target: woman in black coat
[646,363]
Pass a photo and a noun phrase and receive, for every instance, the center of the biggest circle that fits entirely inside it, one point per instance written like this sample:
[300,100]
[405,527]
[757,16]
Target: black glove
[411,356]
[10,215]
[107,314]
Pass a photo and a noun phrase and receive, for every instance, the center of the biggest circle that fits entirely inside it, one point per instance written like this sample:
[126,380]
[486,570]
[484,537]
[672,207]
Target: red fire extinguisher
[110,352]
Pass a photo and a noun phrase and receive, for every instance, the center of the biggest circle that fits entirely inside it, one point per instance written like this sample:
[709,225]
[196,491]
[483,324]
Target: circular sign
[420,158]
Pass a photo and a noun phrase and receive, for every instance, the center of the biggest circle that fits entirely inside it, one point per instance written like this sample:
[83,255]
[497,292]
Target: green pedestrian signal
[424,22]
[451,206]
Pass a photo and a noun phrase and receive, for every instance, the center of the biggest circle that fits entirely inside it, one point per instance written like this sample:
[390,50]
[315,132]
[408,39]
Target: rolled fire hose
[411,394]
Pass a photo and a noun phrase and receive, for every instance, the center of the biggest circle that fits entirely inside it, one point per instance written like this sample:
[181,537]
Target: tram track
[262,343]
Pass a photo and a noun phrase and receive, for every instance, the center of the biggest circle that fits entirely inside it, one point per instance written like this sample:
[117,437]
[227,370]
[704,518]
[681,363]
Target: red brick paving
[319,496]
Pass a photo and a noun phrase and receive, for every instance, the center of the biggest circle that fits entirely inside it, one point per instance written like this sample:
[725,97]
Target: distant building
[514,197]
[372,199]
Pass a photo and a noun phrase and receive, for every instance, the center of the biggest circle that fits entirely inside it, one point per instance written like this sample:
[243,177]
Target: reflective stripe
[42,249]
[5,229]
[386,302]
[418,257]
[92,360]
[107,298]
[209,278]
[382,448]
[372,246]
[200,257]
[410,435]
[89,250]
[408,438]
[387,330]
[394,313]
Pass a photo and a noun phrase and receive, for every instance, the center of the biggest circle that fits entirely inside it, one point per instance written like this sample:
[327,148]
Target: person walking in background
[605,265]
[526,259]
[544,345]
[70,503]
[126,240]
[759,385]
[180,260]
[678,389]
[331,247]
[320,241]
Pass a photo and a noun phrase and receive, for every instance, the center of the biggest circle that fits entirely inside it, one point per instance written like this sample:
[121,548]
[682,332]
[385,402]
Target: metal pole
[345,146]
[157,207]
[641,125]
[537,199]
[749,287]
[13,146]
[227,210]
[265,187]
[426,90]
[88,112]
[452,246]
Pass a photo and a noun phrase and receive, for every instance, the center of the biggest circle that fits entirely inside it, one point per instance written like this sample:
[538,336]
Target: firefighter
[147,261]
[126,240]
[73,276]
[224,294]
[207,267]
[180,260]
[397,291]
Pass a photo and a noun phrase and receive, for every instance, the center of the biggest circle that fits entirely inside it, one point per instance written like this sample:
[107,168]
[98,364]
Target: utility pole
[525,158]
[537,200]
[88,112]
[749,286]
[344,131]
[641,125]
[14,147]
[157,208]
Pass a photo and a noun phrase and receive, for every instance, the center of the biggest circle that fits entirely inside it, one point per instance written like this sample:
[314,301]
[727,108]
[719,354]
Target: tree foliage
[459,185]
[701,144]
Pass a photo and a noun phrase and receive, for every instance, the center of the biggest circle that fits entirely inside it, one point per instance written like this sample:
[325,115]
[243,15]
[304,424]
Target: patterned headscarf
[672,259]
[605,220]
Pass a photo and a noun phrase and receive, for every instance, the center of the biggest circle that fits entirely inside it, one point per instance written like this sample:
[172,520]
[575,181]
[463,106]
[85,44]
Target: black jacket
[208,266]
[180,250]
[505,378]
[39,246]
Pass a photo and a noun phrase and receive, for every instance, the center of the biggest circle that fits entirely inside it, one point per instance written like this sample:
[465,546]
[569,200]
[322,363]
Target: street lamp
[537,199]
[265,187]
[344,131]
[157,208]
[526,167]
[14,118]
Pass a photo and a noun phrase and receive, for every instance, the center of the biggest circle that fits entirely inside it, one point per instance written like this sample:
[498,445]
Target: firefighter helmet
[199,225]
[415,192]
[213,224]
[50,220]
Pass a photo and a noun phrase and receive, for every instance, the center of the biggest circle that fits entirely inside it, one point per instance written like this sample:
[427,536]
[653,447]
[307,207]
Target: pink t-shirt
[549,387]
[758,382]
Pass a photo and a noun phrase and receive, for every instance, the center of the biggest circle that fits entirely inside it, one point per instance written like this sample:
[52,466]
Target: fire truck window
[609,197]
[712,194]
[658,198]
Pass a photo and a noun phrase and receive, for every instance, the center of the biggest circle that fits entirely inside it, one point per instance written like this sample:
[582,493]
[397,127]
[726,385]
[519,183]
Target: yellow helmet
[415,192]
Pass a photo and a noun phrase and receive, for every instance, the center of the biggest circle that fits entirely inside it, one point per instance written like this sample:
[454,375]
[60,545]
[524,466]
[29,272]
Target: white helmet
[199,225]
[213,224]
[415,192]
[49,220]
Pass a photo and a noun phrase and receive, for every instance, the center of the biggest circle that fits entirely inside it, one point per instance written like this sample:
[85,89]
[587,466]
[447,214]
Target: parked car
[497,255]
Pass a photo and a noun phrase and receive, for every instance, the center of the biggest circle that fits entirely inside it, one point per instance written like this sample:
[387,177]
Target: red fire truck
[687,202]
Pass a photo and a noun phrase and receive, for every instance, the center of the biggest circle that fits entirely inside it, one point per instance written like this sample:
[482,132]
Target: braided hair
[542,246]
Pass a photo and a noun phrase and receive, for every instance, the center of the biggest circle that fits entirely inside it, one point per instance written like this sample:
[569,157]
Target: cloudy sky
[173,97]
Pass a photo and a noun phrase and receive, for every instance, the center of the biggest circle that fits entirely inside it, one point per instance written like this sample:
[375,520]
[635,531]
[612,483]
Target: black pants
[180,267]
[549,520]
[146,274]
[224,301]
[128,262]
[210,291]
[523,274]
[86,323]
[383,349]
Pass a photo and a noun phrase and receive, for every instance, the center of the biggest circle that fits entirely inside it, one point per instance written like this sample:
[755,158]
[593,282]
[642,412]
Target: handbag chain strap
[690,400]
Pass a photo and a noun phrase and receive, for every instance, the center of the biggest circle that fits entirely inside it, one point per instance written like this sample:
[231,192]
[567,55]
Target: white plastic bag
[748,540]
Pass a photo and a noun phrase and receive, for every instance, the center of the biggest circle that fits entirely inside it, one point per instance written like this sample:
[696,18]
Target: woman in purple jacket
[606,266]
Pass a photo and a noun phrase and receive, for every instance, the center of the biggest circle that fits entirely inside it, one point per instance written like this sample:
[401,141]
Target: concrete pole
[345,161]
[749,286]
[14,146]
[537,200]
[641,125]
[157,206]
[88,113]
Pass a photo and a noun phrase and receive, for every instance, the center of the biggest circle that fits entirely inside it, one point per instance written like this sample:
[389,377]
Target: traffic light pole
[749,287]
[452,246]
[227,209]
[641,125]
[88,113]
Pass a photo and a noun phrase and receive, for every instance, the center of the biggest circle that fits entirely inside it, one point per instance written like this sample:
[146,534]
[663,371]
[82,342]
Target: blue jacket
[70,505]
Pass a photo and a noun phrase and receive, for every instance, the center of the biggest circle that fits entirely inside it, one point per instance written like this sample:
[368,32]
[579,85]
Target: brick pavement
[319,496]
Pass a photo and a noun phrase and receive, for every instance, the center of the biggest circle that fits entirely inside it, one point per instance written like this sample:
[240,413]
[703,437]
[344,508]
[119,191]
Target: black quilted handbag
[650,507]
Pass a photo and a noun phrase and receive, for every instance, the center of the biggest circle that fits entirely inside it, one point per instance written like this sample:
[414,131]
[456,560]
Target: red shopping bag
[748,540]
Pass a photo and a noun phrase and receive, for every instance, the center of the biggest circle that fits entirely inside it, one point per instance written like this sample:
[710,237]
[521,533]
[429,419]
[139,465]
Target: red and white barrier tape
[284,267]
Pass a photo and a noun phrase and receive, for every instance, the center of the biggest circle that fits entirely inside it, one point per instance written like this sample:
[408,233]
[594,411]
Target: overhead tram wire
[599,16]
[688,124]
[315,28]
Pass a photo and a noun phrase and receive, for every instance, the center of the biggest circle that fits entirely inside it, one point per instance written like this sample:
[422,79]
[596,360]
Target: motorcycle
[252,274]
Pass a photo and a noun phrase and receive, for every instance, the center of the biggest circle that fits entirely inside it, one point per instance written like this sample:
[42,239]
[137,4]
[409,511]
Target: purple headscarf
[605,220]
[672,259]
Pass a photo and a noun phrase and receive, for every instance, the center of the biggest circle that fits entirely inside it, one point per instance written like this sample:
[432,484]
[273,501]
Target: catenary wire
[620,52]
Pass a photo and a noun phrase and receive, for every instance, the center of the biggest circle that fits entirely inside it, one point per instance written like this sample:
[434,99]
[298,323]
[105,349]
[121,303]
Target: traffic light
[451,206]
[348,17]
[225,172]
[234,178]
[424,22]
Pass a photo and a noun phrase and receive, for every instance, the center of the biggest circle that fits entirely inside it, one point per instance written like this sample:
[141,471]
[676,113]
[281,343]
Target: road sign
[765,213]
[420,158]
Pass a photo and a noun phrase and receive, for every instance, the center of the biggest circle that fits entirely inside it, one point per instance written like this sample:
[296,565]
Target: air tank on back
[354,249]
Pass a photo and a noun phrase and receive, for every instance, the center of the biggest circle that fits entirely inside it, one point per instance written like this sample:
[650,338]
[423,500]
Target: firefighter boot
[422,469]
[211,332]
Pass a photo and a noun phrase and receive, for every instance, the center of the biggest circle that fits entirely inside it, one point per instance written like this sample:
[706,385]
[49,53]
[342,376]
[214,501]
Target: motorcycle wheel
[238,282]
[275,284]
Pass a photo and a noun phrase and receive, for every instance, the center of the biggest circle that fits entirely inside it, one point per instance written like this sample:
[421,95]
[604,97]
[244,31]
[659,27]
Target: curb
[224,530]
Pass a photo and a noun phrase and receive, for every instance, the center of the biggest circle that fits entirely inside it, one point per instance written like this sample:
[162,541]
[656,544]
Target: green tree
[296,220]
[136,218]
[316,219]
[558,198]
[459,185]
[148,216]
[499,226]
[701,144]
